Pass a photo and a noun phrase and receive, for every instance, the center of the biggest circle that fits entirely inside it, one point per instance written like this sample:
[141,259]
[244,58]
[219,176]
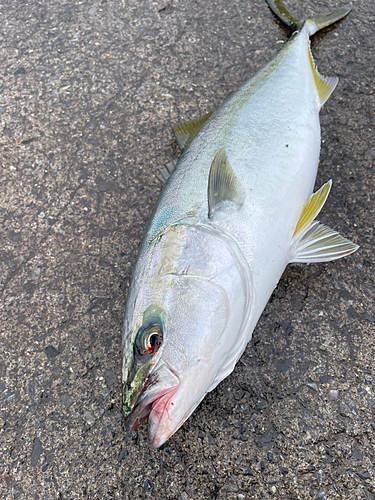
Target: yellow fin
[185,132]
[286,16]
[320,21]
[325,85]
[316,22]
[312,207]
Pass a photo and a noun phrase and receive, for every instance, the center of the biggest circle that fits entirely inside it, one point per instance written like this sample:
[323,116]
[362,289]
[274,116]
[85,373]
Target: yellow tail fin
[315,23]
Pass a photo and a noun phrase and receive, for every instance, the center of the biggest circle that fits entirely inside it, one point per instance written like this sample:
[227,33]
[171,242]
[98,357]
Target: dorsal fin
[185,132]
[223,185]
[166,171]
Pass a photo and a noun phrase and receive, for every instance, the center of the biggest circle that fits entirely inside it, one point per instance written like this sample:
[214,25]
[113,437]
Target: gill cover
[191,289]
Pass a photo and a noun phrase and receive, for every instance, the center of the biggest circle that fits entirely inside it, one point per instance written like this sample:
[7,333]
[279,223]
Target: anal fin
[325,85]
[314,242]
[185,132]
[311,208]
[322,244]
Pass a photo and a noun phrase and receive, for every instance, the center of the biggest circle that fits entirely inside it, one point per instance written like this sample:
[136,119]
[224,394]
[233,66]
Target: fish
[238,208]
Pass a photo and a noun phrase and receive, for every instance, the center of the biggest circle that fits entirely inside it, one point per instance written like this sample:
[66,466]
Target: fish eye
[149,338]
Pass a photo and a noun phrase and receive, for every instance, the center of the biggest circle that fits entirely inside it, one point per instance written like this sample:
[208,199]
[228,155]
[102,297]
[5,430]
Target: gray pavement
[89,91]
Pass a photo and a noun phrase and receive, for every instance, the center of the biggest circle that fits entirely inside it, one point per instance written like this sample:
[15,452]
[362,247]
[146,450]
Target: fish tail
[324,85]
[314,23]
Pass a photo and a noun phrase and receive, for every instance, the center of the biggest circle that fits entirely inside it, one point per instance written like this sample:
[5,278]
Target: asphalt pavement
[89,93]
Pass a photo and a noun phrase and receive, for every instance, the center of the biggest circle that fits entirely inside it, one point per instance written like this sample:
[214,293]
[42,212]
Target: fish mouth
[158,389]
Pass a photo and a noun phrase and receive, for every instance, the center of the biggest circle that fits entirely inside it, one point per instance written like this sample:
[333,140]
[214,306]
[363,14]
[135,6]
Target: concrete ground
[89,92]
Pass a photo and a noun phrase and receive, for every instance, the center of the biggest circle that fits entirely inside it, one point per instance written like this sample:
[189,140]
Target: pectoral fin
[314,242]
[223,185]
[185,132]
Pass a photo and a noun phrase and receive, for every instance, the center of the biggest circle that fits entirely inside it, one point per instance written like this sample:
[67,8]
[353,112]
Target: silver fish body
[235,211]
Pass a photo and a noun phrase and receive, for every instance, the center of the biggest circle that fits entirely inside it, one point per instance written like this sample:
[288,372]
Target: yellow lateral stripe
[312,207]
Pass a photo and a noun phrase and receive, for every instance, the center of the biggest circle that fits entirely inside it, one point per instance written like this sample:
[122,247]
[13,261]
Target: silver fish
[236,210]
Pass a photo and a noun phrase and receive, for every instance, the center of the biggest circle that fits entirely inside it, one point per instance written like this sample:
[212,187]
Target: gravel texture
[89,92]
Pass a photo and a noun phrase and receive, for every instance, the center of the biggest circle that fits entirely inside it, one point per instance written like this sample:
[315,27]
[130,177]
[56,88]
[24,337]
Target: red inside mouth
[157,406]
[141,417]
[158,389]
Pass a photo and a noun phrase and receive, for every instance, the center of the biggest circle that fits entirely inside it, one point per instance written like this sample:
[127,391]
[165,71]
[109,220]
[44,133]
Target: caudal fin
[315,23]
[324,85]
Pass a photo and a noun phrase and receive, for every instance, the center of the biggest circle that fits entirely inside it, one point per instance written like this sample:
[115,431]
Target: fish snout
[159,386]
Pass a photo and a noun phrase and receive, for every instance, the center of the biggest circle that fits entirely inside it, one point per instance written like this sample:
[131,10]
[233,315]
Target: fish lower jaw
[157,436]
[151,408]
[160,413]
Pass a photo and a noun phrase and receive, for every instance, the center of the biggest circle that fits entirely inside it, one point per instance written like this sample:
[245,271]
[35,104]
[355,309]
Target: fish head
[187,306]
